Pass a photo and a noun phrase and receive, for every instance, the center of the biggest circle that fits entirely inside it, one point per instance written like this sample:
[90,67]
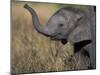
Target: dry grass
[31,51]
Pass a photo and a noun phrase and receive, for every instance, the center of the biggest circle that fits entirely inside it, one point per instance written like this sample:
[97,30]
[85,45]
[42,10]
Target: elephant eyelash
[60,25]
[80,19]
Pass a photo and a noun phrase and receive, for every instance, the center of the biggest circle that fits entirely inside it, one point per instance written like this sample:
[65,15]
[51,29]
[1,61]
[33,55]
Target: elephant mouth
[59,38]
[55,37]
[63,40]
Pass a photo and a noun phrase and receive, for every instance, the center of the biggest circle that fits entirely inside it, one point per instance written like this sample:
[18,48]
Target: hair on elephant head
[67,24]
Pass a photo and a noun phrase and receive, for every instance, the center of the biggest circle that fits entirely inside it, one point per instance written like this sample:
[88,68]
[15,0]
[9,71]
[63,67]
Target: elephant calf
[70,24]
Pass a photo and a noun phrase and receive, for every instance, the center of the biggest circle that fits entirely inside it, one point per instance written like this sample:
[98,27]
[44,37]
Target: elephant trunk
[36,22]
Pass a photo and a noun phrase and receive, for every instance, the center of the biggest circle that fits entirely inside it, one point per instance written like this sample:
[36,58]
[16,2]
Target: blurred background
[31,51]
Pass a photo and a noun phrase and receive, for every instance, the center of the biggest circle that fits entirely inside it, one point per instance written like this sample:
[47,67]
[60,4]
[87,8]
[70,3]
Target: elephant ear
[84,30]
[83,34]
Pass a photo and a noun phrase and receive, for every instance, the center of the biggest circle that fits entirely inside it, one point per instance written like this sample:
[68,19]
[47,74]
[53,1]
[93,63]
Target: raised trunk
[36,22]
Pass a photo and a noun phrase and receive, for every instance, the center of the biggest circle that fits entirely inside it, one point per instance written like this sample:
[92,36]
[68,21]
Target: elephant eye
[60,25]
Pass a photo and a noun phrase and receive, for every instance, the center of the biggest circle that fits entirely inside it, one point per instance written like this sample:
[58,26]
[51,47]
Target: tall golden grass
[31,51]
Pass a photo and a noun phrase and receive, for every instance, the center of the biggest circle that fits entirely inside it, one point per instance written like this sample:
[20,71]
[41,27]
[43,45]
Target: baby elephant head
[60,25]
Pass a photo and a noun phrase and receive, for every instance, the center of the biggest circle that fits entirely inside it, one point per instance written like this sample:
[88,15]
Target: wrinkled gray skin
[69,24]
